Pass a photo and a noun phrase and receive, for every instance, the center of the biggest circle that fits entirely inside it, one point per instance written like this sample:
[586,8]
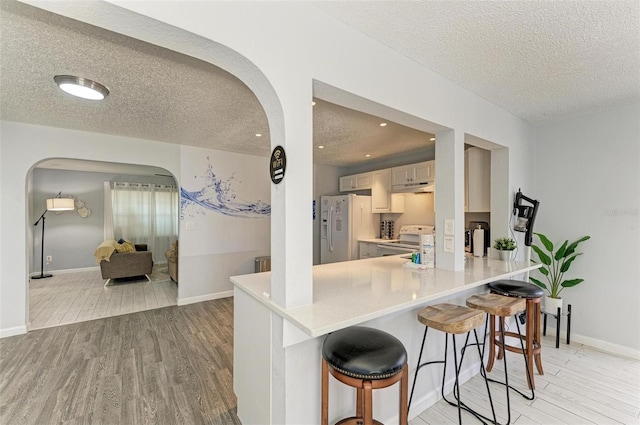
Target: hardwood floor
[77,297]
[166,366]
[174,366]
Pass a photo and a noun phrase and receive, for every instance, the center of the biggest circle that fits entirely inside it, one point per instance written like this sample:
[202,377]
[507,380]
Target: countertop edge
[267,302]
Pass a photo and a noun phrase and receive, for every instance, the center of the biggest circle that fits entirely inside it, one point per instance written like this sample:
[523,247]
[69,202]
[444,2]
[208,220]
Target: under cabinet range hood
[413,187]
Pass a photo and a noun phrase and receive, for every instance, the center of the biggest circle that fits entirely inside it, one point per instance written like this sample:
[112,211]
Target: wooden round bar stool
[366,359]
[495,305]
[533,295]
[452,320]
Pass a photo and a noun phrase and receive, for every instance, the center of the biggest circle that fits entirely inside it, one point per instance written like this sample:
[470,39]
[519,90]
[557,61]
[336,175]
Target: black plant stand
[558,316]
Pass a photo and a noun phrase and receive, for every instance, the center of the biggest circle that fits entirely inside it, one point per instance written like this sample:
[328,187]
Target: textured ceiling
[541,60]
[158,94]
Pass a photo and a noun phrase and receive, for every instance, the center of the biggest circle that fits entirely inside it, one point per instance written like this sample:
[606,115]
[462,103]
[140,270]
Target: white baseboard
[66,271]
[208,297]
[17,330]
[599,344]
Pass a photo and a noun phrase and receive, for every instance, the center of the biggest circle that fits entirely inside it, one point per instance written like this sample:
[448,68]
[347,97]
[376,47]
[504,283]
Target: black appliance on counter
[468,236]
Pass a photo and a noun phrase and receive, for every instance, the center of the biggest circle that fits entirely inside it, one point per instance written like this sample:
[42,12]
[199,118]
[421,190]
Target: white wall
[588,183]
[222,242]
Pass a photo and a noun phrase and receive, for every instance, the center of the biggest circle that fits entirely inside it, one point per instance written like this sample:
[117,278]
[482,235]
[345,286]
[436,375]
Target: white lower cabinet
[368,250]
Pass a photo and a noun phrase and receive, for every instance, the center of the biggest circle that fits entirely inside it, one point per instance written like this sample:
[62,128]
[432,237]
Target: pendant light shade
[60,204]
[81,87]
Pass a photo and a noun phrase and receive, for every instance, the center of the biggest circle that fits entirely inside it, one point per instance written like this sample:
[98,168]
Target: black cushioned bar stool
[366,359]
[533,295]
[499,306]
[452,320]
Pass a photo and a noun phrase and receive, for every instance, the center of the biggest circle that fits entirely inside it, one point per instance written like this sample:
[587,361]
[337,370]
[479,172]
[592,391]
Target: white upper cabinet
[382,200]
[360,181]
[421,172]
[477,182]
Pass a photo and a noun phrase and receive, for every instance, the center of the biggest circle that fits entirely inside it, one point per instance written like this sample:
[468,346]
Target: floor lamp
[54,204]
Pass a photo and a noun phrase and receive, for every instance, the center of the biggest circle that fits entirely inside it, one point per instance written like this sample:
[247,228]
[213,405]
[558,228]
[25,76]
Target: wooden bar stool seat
[532,295]
[452,320]
[366,359]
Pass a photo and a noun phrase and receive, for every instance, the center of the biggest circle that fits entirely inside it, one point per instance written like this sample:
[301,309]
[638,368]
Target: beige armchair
[172,261]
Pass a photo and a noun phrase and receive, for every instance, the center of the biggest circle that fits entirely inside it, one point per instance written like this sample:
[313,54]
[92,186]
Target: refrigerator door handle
[330,230]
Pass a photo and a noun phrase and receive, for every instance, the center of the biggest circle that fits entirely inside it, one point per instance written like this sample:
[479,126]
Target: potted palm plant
[505,247]
[555,263]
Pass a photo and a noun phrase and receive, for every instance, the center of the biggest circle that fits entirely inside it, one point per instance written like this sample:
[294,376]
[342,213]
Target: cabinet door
[424,171]
[368,250]
[381,191]
[362,181]
[355,182]
[477,180]
[402,175]
[347,184]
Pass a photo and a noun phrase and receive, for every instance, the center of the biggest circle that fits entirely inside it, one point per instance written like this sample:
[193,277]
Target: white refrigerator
[343,220]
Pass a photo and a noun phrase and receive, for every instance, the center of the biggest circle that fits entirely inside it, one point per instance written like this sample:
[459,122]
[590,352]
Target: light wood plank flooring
[580,385]
[174,366]
[77,297]
[166,366]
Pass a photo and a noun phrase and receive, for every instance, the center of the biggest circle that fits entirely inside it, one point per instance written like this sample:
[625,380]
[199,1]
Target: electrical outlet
[49,258]
[189,225]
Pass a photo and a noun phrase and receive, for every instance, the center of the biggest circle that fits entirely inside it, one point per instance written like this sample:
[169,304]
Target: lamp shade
[60,204]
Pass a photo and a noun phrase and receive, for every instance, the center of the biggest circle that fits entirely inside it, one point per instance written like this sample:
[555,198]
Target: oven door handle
[397,248]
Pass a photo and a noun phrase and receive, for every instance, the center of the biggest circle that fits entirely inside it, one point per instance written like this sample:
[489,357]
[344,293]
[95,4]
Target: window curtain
[145,214]
[108,214]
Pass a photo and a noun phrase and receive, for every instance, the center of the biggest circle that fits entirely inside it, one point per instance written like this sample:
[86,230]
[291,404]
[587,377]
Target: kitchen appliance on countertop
[343,220]
[408,240]
[386,229]
[469,237]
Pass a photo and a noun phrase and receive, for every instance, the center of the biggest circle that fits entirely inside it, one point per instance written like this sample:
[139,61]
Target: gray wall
[587,182]
[69,238]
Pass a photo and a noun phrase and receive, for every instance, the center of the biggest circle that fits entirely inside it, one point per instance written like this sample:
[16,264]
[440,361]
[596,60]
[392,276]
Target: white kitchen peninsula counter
[352,292]
[277,351]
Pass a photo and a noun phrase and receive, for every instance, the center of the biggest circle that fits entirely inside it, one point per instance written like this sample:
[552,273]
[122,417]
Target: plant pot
[551,305]
[505,255]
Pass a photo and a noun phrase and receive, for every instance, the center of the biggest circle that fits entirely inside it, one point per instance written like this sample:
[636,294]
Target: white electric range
[408,240]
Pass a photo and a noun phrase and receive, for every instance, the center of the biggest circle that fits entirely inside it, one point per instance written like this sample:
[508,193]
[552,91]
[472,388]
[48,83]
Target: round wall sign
[278,164]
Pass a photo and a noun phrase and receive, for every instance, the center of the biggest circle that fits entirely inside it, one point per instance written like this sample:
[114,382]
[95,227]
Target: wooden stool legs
[364,395]
[532,340]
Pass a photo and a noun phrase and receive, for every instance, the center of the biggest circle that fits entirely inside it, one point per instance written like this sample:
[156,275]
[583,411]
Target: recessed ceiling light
[258,135]
[367,155]
[320,147]
[433,139]
[313,103]
[383,124]
[81,87]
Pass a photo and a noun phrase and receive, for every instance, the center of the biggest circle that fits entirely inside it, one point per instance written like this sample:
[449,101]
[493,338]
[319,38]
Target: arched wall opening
[15,318]
[72,237]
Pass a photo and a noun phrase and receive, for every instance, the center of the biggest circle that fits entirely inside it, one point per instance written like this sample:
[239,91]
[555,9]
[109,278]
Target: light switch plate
[448,244]
[449,227]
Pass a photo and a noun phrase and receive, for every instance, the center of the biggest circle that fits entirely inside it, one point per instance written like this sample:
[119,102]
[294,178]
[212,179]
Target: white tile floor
[581,385]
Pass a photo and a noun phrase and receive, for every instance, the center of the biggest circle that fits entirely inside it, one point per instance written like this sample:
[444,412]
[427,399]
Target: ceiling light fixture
[320,147]
[258,135]
[313,103]
[383,124]
[433,139]
[367,156]
[81,87]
